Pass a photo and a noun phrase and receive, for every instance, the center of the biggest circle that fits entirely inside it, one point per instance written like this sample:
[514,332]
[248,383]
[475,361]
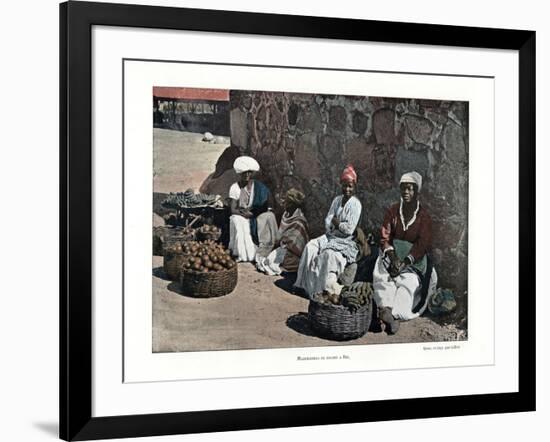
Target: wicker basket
[177,234]
[208,285]
[158,234]
[337,323]
[172,264]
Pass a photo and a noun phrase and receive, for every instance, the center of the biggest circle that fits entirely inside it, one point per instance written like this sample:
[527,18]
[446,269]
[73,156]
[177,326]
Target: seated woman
[406,238]
[325,257]
[252,226]
[292,238]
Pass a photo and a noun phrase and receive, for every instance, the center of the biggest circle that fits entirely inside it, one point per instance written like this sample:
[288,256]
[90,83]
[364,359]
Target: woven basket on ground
[337,322]
[158,234]
[175,234]
[208,285]
[172,264]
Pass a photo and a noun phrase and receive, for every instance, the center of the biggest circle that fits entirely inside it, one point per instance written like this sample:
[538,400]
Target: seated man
[292,238]
[252,226]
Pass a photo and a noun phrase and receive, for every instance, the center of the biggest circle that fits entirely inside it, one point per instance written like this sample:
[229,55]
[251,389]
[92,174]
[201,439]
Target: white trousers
[242,246]
[400,293]
[319,271]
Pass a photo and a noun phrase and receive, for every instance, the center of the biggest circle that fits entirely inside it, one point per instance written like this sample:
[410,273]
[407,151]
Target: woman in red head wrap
[349,174]
[326,257]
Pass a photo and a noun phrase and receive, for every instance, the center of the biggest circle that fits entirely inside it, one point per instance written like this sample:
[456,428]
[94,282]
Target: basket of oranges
[207,270]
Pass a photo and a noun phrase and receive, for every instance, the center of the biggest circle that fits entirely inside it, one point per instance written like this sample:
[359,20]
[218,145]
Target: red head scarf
[349,174]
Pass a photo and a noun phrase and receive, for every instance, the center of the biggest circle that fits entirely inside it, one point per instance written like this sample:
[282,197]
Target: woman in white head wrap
[406,239]
[252,226]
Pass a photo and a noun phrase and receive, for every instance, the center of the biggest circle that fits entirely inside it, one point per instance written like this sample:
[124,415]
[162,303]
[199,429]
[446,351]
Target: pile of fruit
[205,256]
[353,297]
[208,232]
[209,229]
[189,198]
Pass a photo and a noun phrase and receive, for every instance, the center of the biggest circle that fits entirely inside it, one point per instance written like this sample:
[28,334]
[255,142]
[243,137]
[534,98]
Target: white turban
[412,177]
[244,163]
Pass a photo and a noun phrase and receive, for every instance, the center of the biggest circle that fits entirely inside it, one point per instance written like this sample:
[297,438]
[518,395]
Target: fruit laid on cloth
[189,198]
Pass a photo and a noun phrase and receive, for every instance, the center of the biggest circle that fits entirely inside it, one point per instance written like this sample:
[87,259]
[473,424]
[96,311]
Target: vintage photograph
[285,219]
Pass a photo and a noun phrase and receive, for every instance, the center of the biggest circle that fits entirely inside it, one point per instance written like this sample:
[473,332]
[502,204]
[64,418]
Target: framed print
[272,220]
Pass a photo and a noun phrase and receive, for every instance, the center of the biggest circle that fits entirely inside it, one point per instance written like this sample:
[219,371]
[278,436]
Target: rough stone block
[360,122]
[383,122]
[239,131]
[337,118]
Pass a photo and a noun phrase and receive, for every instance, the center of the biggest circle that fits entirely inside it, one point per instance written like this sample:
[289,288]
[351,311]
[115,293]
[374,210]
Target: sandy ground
[262,312]
[181,160]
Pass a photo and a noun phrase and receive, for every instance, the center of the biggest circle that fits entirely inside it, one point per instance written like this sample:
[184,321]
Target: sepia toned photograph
[284,219]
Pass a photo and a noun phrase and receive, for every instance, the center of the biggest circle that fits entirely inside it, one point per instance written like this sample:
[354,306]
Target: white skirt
[401,293]
[319,271]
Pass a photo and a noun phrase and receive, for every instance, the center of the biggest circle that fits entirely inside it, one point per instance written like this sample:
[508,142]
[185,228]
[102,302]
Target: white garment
[271,265]
[348,215]
[244,163]
[412,177]
[235,193]
[319,271]
[401,293]
[240,239]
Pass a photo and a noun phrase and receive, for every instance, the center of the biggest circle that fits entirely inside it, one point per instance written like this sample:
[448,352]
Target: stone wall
[305,141]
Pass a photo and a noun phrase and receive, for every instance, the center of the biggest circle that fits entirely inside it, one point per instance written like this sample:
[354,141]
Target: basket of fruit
[174,235]
[343,316]
[173,258]
[209,233]
[207,270]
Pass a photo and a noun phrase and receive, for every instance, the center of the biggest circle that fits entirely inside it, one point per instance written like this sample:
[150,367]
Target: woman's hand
[396,265]
[335,222]
[246,213]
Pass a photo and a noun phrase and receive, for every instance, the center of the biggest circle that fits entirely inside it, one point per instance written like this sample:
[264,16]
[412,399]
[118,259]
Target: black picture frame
[76,21]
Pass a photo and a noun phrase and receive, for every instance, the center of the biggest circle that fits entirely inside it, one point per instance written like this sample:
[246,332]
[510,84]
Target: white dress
[321,265]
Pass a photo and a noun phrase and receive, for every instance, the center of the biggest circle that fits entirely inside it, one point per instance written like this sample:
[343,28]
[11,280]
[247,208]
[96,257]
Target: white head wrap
[244,163]
[412,177]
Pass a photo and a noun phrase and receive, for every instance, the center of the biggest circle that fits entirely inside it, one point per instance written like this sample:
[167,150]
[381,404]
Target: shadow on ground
[300,324]
[159,273]
[287,284]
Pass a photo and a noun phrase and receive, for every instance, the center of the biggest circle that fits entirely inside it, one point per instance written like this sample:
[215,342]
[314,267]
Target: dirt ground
[182,161]
[262,312]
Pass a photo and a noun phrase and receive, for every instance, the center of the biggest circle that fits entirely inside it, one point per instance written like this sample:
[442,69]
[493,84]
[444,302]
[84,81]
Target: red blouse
[419,232]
